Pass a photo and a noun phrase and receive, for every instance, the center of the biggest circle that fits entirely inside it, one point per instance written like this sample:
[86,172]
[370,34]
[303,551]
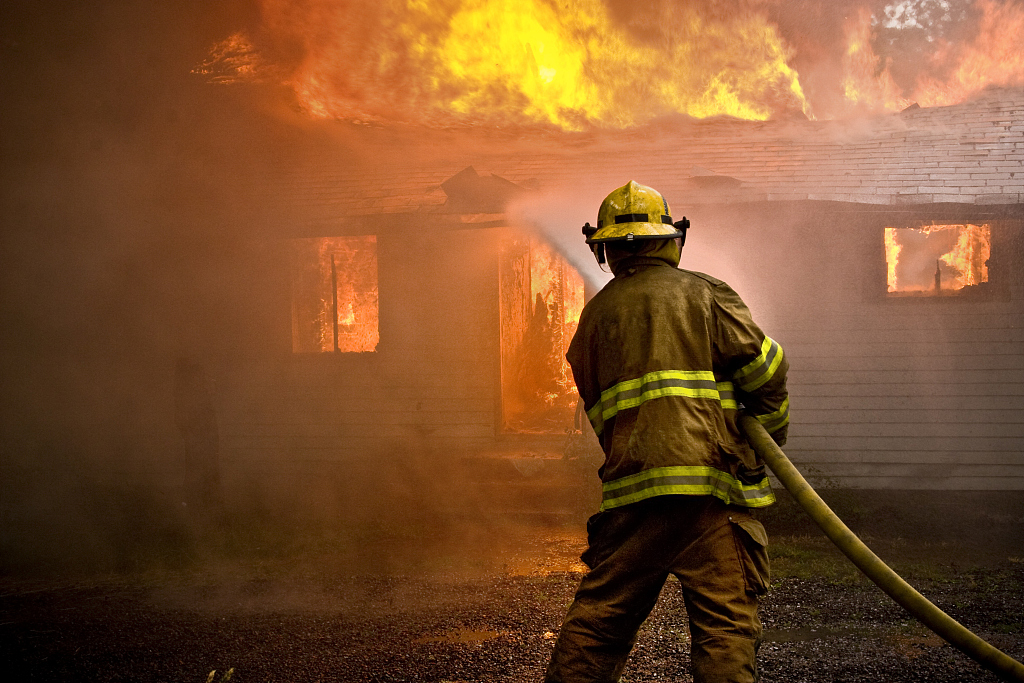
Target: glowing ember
[541,301]
[937,258]
[334,301]
[232,60]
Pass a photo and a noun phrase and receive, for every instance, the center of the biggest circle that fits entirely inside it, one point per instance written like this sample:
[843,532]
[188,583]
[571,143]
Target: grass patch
[810,557]
[926,566]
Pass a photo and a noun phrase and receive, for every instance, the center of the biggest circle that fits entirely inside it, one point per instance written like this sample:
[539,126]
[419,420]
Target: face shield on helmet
[630,213]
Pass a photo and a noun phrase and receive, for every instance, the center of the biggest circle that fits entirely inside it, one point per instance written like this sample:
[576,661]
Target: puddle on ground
[912,646]
[547,552]
[459,635]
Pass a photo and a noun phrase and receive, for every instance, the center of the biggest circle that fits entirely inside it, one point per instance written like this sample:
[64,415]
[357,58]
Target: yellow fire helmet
[634,212]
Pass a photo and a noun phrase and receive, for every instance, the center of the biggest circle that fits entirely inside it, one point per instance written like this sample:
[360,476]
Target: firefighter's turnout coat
[664,358]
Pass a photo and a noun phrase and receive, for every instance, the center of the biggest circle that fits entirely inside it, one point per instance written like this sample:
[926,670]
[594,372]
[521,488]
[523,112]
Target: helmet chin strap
[599,254]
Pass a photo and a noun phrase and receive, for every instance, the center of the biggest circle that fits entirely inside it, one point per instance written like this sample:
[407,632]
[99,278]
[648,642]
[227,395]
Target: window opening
[334,294]
[937,260]
[541,297]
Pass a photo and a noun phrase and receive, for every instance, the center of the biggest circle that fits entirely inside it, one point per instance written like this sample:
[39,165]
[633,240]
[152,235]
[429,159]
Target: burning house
[431,303]
[342,258]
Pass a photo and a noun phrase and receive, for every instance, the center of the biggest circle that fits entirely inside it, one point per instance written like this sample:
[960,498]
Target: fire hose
[889,581]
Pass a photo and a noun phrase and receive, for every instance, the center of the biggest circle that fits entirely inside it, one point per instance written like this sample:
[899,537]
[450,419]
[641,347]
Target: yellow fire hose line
[889,581]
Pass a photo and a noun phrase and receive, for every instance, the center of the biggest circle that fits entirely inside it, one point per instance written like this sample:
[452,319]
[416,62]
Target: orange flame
[914,255]
[345,319]
[892,258]
[541,301]
[969,257]
[575,64]
[569,64]
[561,289]
[995,57]
[864,83]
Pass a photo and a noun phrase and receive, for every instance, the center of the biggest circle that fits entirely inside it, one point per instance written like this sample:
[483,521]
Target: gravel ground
[285,621]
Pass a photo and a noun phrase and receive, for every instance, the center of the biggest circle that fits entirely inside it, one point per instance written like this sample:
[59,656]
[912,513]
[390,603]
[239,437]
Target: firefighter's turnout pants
[717,551]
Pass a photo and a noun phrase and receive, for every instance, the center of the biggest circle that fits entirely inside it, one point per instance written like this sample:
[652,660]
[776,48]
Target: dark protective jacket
[664,358]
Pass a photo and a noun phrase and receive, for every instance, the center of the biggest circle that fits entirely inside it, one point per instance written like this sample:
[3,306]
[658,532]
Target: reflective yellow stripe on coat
[777,419]
[633,392]
[761,369]
[690,480]
[694,384]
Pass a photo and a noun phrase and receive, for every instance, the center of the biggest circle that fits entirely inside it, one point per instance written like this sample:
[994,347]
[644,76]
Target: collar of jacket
[629,266]
[646,253]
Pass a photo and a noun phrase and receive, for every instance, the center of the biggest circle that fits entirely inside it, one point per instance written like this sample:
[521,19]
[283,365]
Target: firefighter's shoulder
[713,281]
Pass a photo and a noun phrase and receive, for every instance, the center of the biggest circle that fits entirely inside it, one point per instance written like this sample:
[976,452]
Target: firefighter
[664,359]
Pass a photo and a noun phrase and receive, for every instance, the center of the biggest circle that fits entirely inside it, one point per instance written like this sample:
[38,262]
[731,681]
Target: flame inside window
[936,260]
[541,300]
[334,294]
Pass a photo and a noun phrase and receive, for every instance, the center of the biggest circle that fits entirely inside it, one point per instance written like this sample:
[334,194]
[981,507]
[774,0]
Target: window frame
[1004,231]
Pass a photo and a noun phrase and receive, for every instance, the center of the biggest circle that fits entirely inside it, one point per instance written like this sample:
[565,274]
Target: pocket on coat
[752,548]
[594,551]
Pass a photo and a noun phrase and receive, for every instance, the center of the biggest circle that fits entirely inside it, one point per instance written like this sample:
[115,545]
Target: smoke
[557,217]
[143,212]
[127,246]
[146,320]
